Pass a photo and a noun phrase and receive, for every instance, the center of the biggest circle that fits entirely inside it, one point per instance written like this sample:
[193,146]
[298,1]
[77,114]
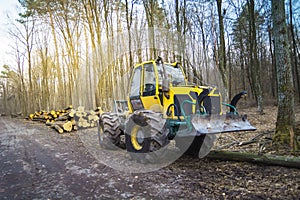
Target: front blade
[221,124]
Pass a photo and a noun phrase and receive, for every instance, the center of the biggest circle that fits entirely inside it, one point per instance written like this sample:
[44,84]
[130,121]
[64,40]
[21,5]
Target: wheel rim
[137,138]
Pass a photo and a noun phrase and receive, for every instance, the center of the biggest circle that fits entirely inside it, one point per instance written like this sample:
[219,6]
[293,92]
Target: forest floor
[38,163]
[259,141]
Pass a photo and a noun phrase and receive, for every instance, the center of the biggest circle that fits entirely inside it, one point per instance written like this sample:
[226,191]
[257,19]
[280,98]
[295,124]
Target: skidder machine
[162,106]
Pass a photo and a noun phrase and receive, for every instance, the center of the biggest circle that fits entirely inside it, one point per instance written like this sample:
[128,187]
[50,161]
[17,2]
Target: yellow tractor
[162,106]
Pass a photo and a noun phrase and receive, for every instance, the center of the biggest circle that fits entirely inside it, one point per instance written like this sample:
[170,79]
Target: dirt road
[38,163]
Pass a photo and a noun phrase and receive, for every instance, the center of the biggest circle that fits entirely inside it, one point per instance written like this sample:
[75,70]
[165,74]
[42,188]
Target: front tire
[145,136]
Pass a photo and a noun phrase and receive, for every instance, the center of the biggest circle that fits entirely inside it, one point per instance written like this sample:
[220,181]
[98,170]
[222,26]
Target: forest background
[81,52]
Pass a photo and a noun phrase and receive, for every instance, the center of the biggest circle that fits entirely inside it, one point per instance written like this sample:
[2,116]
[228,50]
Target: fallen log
[57,128]
[98,111]
[39,119]
[53,113]
[93,117]
[75,128]
[83,123]
[49,123]
[68,126]
[266,159]
[63,117]
[72,113]
[68,108]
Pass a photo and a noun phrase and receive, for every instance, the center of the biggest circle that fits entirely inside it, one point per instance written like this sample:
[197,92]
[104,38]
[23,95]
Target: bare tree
[294,61]
[254,63]
[129,13]
[222,50]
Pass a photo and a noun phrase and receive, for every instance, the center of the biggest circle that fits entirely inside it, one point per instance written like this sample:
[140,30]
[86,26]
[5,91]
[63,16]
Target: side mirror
[165,85]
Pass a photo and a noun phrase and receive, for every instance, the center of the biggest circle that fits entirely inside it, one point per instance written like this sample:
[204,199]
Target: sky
[6,8]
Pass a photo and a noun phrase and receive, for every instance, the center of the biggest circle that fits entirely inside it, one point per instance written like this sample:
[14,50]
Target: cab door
[134,101]
[149,88]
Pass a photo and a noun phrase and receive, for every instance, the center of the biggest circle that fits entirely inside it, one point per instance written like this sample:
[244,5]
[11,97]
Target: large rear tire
[113,134]
[145,136]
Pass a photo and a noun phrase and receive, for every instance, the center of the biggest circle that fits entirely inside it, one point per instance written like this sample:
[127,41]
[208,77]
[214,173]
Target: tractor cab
[149,80]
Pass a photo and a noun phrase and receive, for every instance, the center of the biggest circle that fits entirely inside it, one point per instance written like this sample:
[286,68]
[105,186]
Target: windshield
[174,74]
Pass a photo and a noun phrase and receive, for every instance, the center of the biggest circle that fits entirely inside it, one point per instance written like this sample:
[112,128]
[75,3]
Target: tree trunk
[128,26]
[229,73]
[254,63]
[273,71]
[149,6]
[5,108]
[62,90]
[294,51]
[204,51]
[222,50]
[284,132]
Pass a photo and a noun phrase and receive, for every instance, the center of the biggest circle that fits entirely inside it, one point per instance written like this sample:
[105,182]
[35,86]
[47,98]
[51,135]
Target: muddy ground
[38,163]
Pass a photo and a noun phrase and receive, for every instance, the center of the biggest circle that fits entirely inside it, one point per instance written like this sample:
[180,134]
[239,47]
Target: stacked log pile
[68,119]
[48,116]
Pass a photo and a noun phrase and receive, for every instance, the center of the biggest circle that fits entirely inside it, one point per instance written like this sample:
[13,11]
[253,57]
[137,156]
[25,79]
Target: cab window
[136,82]
[175,75]
[149,88]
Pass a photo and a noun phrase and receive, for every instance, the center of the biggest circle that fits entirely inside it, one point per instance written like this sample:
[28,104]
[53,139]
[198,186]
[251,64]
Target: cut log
[31,116]
[93,117]
[75,128]
[39,119]
[58,128]
[63,117]
[53,114]
[72,113]
[83,123]
[73,121]
[49,123]
[68,126]
[80,114]
[98,111]
[92,124]
[68,108]
[284,161]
